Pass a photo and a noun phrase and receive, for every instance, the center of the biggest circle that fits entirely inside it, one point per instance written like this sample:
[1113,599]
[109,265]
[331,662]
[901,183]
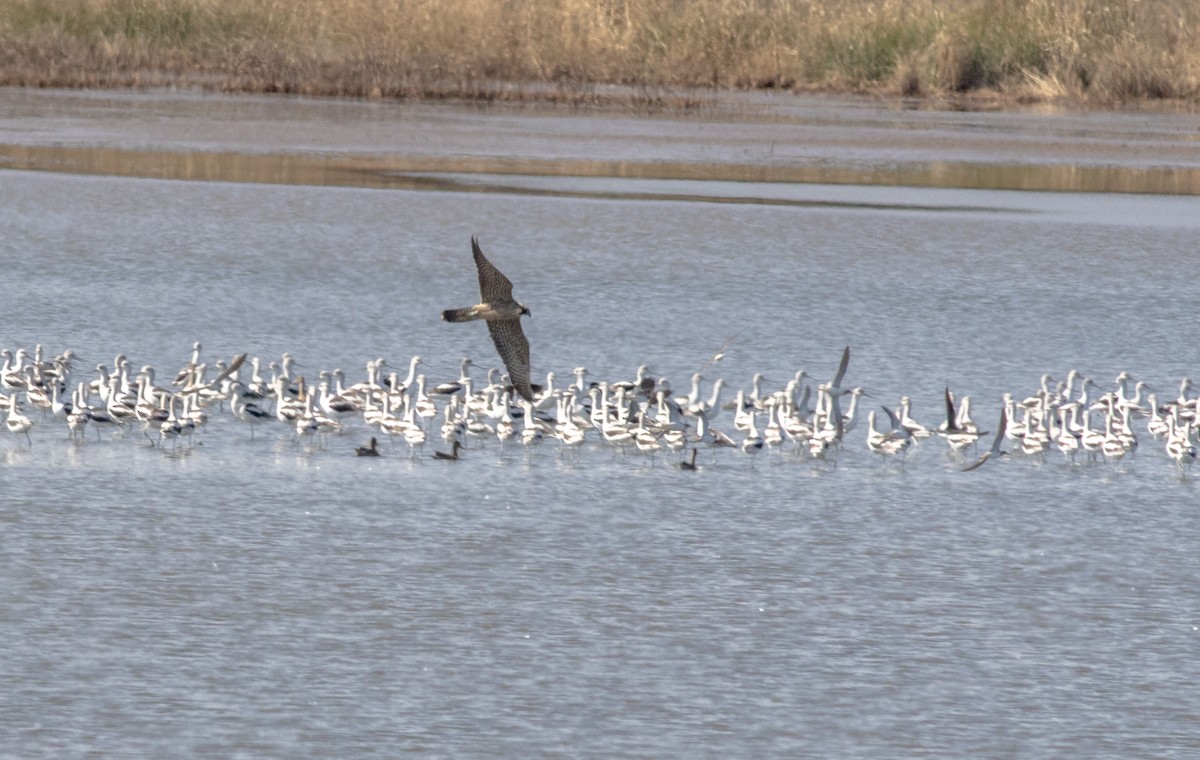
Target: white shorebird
[402,385]
[245,410]
[1066,438]
[894,443]
[18,423]
[414,434]
[170,428]
[333,404]
[58,407]
[753,443]
[531,431]
[571,434]
[423,406]
[186,371]
[1090,439]
[1114,447]
[12,371]
[77,418]
[914,428]
[957,436]
[506,427]
[1179,447]
[442,391]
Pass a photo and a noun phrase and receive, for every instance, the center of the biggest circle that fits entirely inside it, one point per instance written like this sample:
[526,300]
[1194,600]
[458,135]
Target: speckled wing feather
[493,286]
[514,350]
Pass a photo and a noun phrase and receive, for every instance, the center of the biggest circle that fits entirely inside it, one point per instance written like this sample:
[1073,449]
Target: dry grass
[1106,51]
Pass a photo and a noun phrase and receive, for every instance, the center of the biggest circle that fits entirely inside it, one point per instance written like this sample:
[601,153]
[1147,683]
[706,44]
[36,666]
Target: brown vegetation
[1104,51]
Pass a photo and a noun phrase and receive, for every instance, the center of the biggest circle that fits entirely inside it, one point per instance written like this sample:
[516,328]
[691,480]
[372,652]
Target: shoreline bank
[750,139]
[656,54]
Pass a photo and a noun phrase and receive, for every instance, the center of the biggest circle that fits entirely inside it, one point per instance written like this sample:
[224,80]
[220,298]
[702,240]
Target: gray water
[268,598]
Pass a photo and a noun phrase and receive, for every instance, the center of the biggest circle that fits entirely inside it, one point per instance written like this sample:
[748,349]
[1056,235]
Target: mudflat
[749,137]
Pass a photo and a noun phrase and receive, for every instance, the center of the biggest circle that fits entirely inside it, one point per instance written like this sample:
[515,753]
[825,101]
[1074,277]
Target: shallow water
[264,598]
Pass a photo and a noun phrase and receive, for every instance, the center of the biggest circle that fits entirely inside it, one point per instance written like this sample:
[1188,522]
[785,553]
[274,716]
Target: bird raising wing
[995,450]
[494,287]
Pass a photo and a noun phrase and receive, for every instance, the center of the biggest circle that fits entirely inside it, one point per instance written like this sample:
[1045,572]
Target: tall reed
[1100,50]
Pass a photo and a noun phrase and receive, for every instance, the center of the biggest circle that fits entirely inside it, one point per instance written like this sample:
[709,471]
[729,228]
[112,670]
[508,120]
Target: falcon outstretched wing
[514,351]
[494,287]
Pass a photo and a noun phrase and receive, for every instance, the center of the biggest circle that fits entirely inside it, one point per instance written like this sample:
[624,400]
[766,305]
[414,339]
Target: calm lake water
[263,598]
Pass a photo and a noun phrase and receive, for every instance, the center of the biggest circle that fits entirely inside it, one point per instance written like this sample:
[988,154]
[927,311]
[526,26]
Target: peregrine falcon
[503,316]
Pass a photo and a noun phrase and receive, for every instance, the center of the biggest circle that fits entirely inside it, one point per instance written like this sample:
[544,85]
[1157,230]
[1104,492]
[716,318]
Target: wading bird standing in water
[503,316]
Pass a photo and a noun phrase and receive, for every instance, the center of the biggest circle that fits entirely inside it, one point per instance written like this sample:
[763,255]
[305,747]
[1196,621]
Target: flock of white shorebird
[1076,416]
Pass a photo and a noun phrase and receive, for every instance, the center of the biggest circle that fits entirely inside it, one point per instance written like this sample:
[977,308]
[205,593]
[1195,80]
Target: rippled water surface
[264,598]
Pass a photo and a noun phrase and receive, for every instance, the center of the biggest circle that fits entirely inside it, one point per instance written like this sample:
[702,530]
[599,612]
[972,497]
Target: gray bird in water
[453,456]
[370,450]
[503,316]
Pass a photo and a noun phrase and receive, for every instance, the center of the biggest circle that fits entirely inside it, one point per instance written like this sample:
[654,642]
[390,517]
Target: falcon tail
[459,315]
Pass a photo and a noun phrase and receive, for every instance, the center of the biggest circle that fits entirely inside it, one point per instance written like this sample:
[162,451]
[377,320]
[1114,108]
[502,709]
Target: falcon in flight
[503,316]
